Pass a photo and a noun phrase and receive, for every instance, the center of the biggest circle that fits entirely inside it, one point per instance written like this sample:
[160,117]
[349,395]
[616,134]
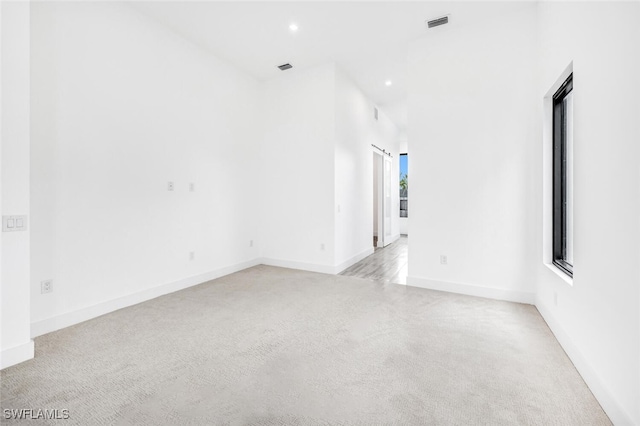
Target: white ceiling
[369,40]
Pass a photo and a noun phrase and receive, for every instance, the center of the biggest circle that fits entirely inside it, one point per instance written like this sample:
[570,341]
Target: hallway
[388,264]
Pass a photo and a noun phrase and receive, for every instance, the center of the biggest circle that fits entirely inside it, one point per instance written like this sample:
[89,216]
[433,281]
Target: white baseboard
[393,239]
[390,240]
[472,290]
[355,259]
[616,413]
[67,319]
[312,267]
[315,267]
[40,327]
[16,354]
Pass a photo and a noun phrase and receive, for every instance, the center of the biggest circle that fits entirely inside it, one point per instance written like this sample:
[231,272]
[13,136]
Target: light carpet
[274,346]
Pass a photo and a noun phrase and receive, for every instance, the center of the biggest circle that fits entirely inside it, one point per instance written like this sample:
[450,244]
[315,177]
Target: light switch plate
[14,223]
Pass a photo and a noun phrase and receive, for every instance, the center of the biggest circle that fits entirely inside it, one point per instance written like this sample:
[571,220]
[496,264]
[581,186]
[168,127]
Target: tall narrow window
[404,185]
[563,177]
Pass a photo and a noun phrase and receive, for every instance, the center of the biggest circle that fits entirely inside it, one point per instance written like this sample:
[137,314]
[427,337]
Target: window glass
[404,185]
[563,165]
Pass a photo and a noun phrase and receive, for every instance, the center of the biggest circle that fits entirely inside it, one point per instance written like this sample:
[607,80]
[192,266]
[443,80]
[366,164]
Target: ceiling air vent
[285,67]
[438,21]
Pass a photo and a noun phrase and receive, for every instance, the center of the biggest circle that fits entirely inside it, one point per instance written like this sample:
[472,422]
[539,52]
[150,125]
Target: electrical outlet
[170,186]
[250,243]
[322,246]
[443,259]
[192,255]
[46,286]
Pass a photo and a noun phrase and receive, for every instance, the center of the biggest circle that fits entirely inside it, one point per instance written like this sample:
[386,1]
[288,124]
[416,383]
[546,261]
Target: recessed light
[388,83]
[293,28]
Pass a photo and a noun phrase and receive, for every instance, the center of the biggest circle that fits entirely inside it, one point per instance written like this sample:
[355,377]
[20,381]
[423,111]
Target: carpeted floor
[277,346]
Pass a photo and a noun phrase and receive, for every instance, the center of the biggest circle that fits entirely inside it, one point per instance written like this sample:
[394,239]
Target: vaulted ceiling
[368,40]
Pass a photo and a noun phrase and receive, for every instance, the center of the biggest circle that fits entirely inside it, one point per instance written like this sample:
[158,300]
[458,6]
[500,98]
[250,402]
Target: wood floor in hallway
[388,264]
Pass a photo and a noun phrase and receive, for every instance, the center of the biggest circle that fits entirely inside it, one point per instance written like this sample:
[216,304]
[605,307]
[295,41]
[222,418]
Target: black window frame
[560,177]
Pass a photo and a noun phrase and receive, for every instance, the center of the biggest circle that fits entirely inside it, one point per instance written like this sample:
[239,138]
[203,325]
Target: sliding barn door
[386,200]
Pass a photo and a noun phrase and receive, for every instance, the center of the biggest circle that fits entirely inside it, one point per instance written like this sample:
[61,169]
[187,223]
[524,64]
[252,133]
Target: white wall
[15,343]
[403,144]
[356,130]
[597,318]
[296,182]
[120,107]
[118,111]
[476,114]
[473,150]
[316,179]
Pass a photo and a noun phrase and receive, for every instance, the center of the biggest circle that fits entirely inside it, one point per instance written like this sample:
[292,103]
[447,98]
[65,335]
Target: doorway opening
[388,264]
